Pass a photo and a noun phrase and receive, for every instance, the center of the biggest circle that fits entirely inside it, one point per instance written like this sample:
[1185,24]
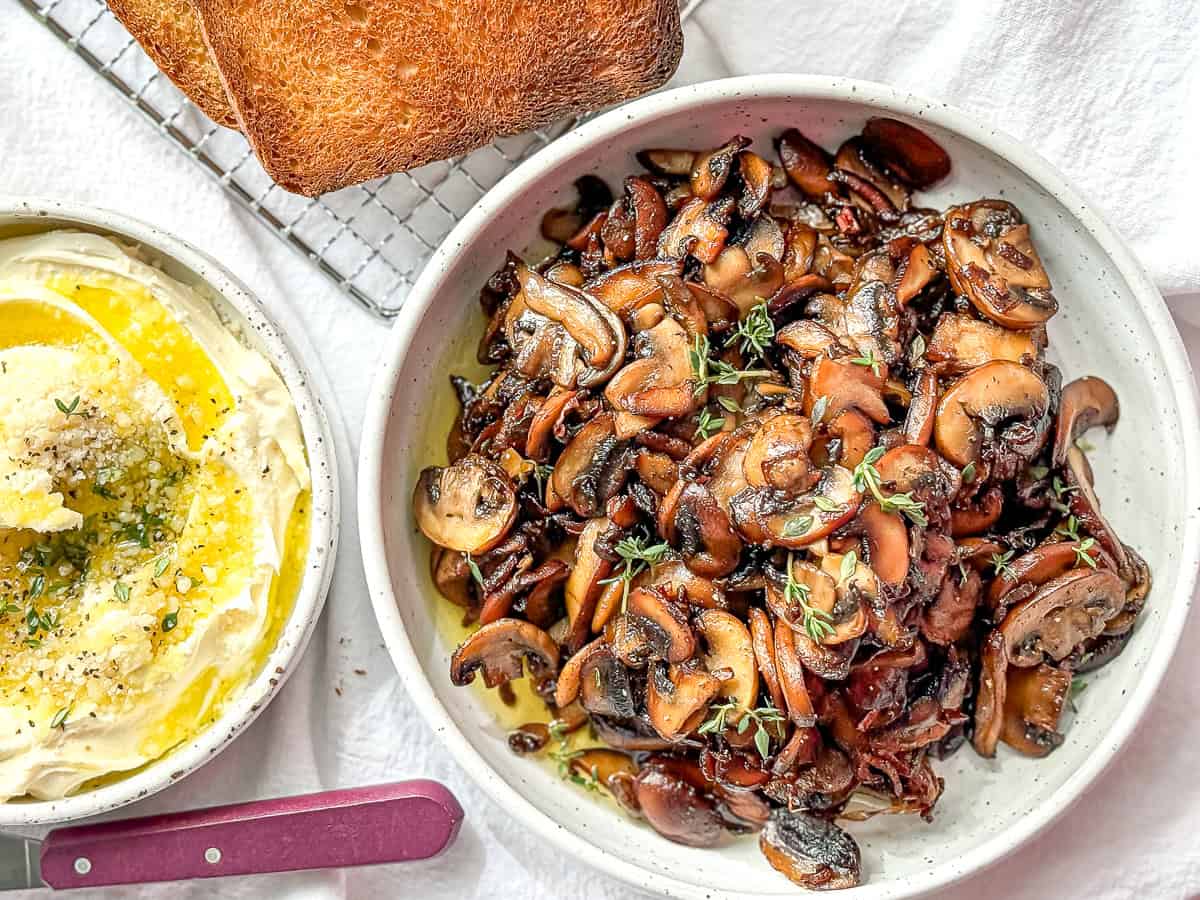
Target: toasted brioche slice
[335,92]
[169,32]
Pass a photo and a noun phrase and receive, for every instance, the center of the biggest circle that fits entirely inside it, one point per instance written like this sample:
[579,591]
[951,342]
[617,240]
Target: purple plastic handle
[357,827]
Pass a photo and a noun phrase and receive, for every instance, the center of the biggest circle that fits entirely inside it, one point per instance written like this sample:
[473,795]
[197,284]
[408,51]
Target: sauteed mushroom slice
[1086,505]
[919,270]
[711,170]
[698,229]
[669,636]
[961,342]
[676,809]
[992,262]
[847,386]
[887,543]
[1039,565]
[762,636]
[656,385]
[1063,613]
[677,697]
[592,467]
[744,278]
[990,697]
[1033,704]
[468,506]
[697,525]
[909,153]
[599,334]
[629,287]
[1085,403]
[777,455]
[854,157]
[796,698]
[668,162]
[763,517]
[730,648]
[806,164]
[756,184]
[585,582]
[649,215]
[451,575]
[812,852]
[499,649]
[1001,401]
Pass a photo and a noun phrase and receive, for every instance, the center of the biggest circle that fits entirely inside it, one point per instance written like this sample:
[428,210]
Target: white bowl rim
[289,647]
[592,134]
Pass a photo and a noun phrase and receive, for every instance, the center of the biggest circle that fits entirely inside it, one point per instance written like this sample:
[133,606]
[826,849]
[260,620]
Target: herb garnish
[866,478]
[1001,567]
[761,717]
[638,554]
[474,567]
[707,371]
[70,409]
[708,425]
[868,360]
[122,591]
[816,622]
[60,718]
[755,331]
[170,620]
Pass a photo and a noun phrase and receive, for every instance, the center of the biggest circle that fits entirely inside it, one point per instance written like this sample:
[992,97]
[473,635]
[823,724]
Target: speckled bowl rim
[245,707]
[591,138]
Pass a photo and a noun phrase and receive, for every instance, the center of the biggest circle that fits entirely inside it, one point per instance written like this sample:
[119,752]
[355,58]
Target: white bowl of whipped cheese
[168,510]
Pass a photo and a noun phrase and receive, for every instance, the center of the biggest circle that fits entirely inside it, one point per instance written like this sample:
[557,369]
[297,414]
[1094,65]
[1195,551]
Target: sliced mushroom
[468,506]
[656,385]
[948,618]
[628,288]
[598,333]
[592,467]
[910,154]
[919,270]
[1063,613]
[992,262]
[675,579]
[602,765]
[585,582]
[796,698]
[756,184]
[677,810]
[811,852]
[570,679]
[451,576]
[711,170]
[663,625]
[777,455]
[1001,401]
[698,229]
[746,280]
[499,649]
[1038,566]
[1086,505]
[807,165]
[677,697]
[847,386]
[547,423]
[730,647]
[1085,403]
[809,338]
[854,157]
[961,342]
[918,471]
[762,637]
[649,215]
[887,543]
[990,697]
[978,516]
[855,436]
[763,517]
[696,524]
[668,162]
[1033,704]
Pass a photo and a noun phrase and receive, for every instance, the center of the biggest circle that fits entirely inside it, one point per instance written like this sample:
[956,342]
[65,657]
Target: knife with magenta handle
[385,823]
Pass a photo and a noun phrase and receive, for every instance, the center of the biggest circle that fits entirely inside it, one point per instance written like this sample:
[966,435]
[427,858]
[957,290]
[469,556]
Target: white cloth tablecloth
[1108,91]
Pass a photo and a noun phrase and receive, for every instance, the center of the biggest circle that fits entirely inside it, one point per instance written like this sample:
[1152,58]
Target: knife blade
[385,823]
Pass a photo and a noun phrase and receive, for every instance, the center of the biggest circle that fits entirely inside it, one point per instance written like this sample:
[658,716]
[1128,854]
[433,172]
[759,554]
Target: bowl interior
[1102,329]
[245,317]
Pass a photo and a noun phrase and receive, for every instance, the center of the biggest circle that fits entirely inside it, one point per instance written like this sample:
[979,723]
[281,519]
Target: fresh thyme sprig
[816,622]
[70,409]
[474,569]
[1001,567]
[868,360]
[755,331]
[760,717]
[564,757]
[638,554]
[1081,552]
[707,371]
[866,478]
[708,425]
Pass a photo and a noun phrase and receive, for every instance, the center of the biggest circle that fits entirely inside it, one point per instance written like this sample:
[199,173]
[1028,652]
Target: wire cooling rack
[372,240]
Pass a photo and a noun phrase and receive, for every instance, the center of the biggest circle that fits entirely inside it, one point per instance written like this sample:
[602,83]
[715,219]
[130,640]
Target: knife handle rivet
[212,855]
[83,865]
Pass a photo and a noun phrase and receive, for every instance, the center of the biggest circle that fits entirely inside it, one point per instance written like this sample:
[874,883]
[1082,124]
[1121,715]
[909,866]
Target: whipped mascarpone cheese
[153,512]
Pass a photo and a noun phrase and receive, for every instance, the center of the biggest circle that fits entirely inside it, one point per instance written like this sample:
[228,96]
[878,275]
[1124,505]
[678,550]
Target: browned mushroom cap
[910,154]
[697,525]
[764,517]
[854,157]
[919,270]
[807,165]
[602,764]
[992,262]
[777,455]
[499,649]
[961,343]
[1061,615]
[1038,566]
[585,582]
[989,698]
[570,679]
[649,215]
[547,421]
[677,697]
[979,515]
[656,385]
[887,543]
[812,852]
[632,286]
[1033,704]
[711,170]
[451,575]
[743,278]
[592,467]
[916,470]
[1085,403]
[656,627]
[948,618]
[796,699]
[762,637]
[1006,398]
[668,162]
[676,809]
[847,386]
[729,647]
[810,339]
[598,333]
[1086,505]
[468,506]
[698,229]
[756,184]
[849,436]
[674,578]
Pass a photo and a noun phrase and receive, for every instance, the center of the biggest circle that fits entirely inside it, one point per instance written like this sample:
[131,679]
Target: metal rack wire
[371,240]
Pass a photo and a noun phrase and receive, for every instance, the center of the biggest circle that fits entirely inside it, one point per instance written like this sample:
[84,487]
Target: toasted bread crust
[169,32]
[336,92]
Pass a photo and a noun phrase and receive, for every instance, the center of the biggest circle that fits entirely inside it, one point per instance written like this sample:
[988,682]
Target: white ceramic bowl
[1113,324]
[238,306]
